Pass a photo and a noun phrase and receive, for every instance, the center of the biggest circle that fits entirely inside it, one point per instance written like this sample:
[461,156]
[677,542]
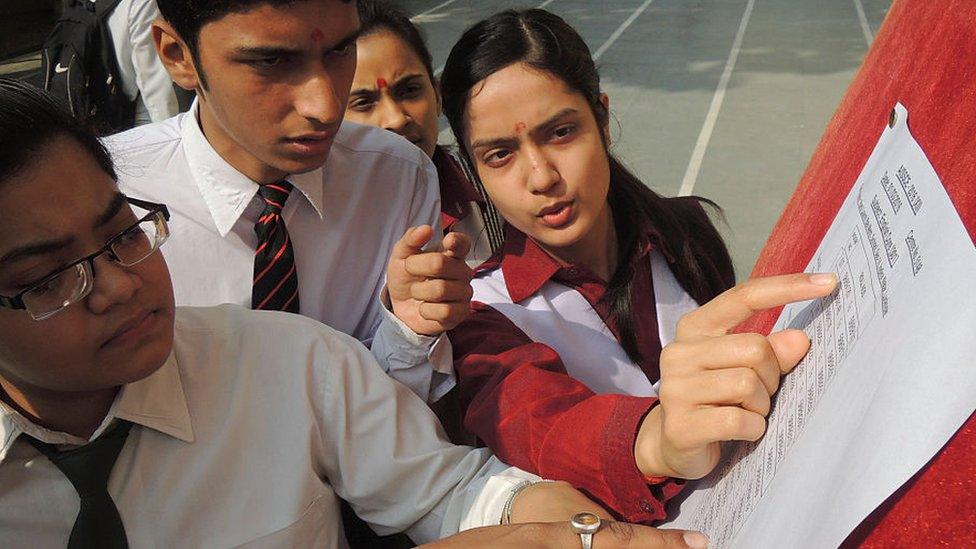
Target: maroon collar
[527,267]
[457,193]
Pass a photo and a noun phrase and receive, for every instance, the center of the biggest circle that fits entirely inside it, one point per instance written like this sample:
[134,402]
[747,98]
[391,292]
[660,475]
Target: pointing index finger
[736,305]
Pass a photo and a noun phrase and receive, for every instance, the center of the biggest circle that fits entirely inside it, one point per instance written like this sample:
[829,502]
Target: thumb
[456,245]
[412,242]
[789,346]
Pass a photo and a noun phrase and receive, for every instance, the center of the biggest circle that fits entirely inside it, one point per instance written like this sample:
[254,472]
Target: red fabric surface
[457,193]
[925,57]
[519,400]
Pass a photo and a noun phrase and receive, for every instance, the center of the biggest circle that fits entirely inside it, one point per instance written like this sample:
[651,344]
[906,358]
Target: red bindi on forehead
[519,127]
[381,83]
[317,35]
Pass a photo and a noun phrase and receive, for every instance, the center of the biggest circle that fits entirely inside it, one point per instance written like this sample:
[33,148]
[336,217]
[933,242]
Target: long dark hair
[30,119]
[693,247]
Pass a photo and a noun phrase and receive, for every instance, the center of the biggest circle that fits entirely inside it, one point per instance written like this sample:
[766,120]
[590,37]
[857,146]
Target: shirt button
[646,506]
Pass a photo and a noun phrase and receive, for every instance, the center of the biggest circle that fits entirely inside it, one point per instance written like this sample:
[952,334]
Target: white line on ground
[440,69]
[698,154]
[868,37]
[433,9]
[620,30]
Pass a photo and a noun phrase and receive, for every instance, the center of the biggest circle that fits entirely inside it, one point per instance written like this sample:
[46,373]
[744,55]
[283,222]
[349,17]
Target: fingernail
[696,540]
[823,279]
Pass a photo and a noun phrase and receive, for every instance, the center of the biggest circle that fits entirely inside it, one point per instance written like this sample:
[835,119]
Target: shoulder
[385,175]
[239,334]
[378,148]
[146,142]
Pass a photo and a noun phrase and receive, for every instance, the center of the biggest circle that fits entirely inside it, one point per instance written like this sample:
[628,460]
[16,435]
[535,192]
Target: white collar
[156,401]
[225,190]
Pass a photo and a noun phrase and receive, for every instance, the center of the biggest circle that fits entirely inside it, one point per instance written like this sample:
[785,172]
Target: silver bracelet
[510,502]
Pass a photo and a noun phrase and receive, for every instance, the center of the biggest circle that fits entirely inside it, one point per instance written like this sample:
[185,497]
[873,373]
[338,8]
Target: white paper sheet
[891,374]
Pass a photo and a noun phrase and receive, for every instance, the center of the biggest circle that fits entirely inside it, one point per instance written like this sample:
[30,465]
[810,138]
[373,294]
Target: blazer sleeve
[518,399]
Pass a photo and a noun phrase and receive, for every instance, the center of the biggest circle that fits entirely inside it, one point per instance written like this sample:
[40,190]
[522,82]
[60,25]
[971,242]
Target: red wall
[925,57]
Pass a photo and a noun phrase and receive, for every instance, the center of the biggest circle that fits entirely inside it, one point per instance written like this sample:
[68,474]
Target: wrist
[647,447]
[517,490]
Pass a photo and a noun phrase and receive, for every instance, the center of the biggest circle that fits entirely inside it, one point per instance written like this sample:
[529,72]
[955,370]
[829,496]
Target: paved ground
[721,98]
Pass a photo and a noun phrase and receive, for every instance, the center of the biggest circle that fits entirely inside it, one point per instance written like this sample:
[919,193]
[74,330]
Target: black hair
[30,119]
[696,253]
[381,15]
[187,17]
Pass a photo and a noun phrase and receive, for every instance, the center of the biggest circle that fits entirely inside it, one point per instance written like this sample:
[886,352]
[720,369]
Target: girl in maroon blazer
[560,365]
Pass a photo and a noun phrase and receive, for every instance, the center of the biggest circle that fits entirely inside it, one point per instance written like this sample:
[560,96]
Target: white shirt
[343,220]
[247,435]
[144,78]
[560,317]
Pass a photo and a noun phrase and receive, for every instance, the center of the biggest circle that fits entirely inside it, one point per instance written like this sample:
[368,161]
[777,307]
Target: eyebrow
[110,211]
[400,82]
[266,51]
[50,246]
[496,141]
[278,51]
[406,79]
[37,248]
[363,91]
[349,39]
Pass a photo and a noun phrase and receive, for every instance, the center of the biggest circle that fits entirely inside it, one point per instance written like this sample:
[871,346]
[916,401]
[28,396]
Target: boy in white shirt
[125,420]
[271,79]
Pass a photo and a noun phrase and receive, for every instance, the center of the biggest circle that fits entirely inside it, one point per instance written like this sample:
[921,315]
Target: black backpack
[79,67]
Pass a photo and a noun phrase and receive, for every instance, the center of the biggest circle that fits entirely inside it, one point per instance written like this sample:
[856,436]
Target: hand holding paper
[716,386]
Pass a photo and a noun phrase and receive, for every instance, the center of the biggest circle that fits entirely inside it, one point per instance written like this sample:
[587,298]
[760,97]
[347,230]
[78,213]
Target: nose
[317,100]
[542,175]
[113,284]
[392,115]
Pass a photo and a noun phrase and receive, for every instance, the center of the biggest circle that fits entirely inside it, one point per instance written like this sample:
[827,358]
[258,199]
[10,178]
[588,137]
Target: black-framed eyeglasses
[53,293]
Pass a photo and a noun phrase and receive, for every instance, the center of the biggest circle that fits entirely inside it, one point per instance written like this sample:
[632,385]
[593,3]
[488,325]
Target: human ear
[436,82]
[175,55]
[605,101]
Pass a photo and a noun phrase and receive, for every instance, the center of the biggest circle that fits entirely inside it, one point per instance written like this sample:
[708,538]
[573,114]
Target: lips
[132,329]
[313,136]
[310,144]
[555,208]
[557,215]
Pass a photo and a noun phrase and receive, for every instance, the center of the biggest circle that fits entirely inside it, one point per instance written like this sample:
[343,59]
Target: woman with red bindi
[394,88]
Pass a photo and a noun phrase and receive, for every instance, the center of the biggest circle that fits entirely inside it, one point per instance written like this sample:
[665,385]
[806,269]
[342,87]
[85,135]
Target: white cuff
[489,505]
[425,364]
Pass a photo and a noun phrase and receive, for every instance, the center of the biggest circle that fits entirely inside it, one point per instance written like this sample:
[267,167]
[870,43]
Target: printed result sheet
[890,376]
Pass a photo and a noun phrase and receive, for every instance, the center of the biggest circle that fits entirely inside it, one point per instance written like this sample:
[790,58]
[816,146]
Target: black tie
[275,278]
[88,467]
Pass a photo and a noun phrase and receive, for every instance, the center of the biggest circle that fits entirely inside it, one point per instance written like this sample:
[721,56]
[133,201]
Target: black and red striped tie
[275,278]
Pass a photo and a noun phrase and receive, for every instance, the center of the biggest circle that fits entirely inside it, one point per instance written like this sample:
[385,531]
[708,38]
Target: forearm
[521,402]
[613,535]
[514,536]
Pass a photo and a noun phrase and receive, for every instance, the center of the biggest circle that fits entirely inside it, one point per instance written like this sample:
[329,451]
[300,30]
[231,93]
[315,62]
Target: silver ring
[586,524]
